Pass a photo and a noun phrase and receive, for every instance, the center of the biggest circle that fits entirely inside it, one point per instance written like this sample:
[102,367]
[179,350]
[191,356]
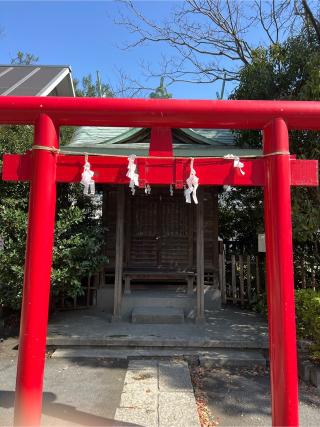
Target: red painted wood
[113,170]
[304,173]
[142,172]
[16,167]
[161,142]
[279,173]
[280,284]
[36,288]
[174,113]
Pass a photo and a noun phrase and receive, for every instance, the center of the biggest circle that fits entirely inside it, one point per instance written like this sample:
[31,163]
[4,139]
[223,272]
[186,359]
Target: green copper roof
[126,141]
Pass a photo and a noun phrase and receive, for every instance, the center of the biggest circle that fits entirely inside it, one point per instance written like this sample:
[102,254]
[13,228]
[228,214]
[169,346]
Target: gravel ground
[242,398]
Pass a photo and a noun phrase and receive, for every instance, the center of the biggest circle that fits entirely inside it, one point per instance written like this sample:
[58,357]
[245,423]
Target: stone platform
[157,315]
[224,328]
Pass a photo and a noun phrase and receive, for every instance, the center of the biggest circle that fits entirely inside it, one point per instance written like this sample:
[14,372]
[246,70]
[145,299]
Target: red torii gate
[275,172]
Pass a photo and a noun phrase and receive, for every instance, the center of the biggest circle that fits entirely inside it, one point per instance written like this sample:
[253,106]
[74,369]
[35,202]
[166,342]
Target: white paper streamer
[147,189]
[134,177]
[236,162]
[192,185]
[87,180]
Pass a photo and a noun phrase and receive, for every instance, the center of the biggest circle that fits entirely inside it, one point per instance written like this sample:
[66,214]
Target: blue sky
[83,34]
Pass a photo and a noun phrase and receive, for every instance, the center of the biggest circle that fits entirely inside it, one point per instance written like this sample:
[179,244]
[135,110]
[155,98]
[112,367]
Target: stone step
[207,358]
[232,359]
[158,315]
[185,302]
[196,343]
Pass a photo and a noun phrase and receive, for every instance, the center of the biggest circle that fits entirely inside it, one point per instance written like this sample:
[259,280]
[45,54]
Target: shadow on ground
[241,397]
[64,412]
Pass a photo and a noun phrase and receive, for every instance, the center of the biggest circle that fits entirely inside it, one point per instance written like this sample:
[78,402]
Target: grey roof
[126,141]
[36,80]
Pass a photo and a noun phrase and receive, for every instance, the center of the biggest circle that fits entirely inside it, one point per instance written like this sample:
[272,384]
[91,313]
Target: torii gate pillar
[280,284]
[36,288]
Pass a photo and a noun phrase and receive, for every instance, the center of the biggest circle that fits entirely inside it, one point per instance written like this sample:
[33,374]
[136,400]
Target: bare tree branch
[210,40]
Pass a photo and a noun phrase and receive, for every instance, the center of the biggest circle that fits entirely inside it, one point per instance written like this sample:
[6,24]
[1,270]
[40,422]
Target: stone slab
[139,400]
[232,358]
[178,409]
[157,315]
[174,377]
[137,417]
[171,404]
[141,378]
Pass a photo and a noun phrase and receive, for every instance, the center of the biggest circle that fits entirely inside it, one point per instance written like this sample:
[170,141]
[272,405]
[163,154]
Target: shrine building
[160,234]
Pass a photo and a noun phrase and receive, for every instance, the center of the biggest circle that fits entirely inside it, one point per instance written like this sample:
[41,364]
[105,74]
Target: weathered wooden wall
[160,231]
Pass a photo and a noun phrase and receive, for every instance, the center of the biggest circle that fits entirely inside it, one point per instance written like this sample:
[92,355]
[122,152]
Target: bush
[308,318]
[78,243]
[78,250]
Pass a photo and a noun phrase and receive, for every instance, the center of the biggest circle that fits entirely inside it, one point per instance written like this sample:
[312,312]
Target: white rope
[236,162]
[277,153]
[80,153]
[52,149]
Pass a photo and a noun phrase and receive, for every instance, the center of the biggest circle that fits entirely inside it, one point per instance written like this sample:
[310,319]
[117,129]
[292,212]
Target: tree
[160,91]
[212,40]
[77,246]
[288,70]
[310,18]
[88,88]
[24,59]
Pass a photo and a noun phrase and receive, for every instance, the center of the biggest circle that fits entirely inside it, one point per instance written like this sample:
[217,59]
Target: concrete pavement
[94,391]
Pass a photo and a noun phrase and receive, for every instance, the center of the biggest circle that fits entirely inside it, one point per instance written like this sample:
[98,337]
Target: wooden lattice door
[176,227]
[160,232]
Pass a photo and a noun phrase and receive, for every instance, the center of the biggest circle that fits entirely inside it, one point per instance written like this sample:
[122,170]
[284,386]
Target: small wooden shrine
[161,232]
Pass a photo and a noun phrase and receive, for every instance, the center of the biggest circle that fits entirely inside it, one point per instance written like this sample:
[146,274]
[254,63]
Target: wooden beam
[215,236]
[200,259]
[161,142]
[233,279]
[128,222]
[119,255]
[105,207]
[156,171]
[249,278]
[257,276]
[147,113]
[241,280]
[222,278]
